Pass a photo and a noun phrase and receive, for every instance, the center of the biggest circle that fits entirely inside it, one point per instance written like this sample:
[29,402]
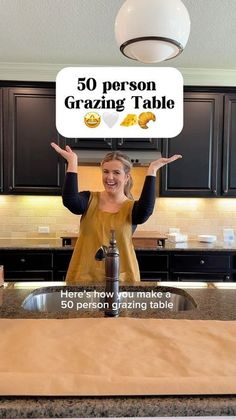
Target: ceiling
[81,32]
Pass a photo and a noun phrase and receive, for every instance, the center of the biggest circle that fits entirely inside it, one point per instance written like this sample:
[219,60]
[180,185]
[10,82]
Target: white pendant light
[151,31]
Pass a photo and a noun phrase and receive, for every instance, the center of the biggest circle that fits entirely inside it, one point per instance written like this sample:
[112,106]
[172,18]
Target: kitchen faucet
[112,270]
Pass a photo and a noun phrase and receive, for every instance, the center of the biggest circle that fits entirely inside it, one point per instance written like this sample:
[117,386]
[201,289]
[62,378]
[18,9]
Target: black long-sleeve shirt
[77,202]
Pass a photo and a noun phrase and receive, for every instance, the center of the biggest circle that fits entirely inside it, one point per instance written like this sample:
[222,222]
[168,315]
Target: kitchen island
[212,303]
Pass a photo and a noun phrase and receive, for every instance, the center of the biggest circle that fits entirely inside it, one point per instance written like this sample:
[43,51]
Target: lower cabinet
[154,265]
[27,265]
[61,262]
[201,266]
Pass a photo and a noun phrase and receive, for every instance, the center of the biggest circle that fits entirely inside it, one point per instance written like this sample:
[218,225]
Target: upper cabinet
[229,146]
[28,164]
[1,142]
[206,143]
[31,165]
[113,143]
[136,144]
[90,143]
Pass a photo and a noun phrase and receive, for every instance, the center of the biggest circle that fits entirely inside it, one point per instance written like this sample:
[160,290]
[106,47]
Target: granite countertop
[147,244]
[31,244]
[211,303]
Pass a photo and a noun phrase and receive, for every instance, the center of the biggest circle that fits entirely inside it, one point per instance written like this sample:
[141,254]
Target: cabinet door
[201,262]
[137,143]
[200,266]
[29,266]
[229,147]
[1,142]
[198,173]
[113,143]
[33,167]
[153,267]
[91,143]
[60,264]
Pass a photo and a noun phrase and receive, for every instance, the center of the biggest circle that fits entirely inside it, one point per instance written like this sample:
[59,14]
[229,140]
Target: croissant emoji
[144,118]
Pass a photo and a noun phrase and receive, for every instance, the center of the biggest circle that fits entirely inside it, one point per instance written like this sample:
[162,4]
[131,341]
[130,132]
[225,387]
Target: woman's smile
[111,184]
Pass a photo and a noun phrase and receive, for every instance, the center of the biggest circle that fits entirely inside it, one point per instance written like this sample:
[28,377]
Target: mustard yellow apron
[95,229]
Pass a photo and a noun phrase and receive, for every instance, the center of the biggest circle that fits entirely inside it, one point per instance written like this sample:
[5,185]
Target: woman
[111,209]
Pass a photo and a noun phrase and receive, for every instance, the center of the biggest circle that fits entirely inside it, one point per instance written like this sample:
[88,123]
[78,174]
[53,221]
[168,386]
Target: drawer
[201,263]
[62,260]
[26,261]
[154,276]
[150,261]
[202,277]
[59,275]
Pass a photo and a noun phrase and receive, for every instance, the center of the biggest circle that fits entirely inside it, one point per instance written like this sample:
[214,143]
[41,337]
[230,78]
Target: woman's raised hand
[157,164]
[69,155]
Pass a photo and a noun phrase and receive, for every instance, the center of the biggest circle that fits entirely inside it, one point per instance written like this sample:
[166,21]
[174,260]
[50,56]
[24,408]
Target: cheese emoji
[130,119]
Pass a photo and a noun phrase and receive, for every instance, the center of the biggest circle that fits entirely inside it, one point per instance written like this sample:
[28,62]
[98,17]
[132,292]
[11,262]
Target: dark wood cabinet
[201,266]
[229,146]
[113,143]
[207,143]
[28,165]
[1,141]
[153,266]
[198,173]
[61,260]
[90,143]
[136,144]
[32,166]
[27,265]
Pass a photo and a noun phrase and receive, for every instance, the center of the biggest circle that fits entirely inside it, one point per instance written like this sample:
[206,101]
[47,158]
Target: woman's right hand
[69,155]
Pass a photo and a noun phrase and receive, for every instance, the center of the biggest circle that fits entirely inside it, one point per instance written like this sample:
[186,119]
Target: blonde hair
[127,165]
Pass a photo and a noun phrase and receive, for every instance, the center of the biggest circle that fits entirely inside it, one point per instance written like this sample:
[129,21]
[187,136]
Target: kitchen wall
[48,72]
[21,215]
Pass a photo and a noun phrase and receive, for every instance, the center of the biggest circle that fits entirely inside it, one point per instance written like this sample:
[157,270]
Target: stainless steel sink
[82,300]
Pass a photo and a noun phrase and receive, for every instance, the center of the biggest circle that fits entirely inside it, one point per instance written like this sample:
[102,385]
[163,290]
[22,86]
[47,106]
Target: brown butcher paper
[117,356]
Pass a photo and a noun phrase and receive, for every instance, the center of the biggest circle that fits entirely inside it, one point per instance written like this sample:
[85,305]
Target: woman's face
[114,177]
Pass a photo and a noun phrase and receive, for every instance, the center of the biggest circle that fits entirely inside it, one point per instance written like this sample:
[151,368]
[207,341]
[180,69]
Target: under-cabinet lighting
[180,204]
[3,200]
[225,285]
[183,284]
[226,204]
[34,284]
[190,285]
[41,201]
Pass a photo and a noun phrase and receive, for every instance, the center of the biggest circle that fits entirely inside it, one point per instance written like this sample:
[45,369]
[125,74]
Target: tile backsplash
[22,215]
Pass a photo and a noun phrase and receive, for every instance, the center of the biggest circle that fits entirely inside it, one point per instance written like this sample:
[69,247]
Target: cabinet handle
[108,141]
[225,190]
[120,141]
[22,260]
[227,277]
[214,191]
[202,262]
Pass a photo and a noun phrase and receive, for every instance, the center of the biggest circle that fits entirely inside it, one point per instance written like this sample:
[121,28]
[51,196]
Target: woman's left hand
[157,164]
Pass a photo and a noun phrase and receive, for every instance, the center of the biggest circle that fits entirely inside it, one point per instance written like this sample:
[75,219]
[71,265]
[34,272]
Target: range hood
[138,158]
